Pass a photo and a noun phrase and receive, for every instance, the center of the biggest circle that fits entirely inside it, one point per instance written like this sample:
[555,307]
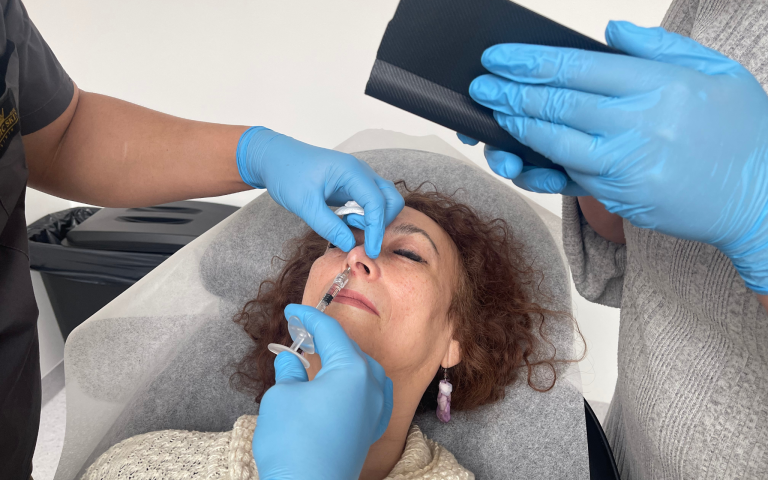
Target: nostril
[367,270]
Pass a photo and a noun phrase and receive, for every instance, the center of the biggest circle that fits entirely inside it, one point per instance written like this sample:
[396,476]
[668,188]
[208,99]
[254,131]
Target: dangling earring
[444,398]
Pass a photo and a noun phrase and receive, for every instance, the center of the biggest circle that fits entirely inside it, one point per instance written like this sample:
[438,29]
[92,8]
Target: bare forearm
[608,225]
[763,299]
[115,153]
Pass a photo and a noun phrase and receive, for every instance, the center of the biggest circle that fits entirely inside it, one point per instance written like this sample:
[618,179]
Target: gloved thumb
[331,341]
[355,220]
[667,47]
[545,180]
[385,383]
[541,180]
[288,369]
[466,140]
[505,164]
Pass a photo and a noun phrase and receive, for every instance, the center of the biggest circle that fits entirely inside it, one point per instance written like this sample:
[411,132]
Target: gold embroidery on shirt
[7,124]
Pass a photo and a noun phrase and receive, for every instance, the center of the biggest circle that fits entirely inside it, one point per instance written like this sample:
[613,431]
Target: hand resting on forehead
[452,294]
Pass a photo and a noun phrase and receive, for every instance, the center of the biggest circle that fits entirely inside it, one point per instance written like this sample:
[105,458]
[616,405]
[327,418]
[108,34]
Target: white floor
[50,439]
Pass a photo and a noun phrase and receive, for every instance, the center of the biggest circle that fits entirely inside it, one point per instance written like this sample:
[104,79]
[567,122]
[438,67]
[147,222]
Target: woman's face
[395,307]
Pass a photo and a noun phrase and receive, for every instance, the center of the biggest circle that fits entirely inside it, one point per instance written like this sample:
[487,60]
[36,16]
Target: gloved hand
[321,429]
[528,177]
[673,137]
[306,179]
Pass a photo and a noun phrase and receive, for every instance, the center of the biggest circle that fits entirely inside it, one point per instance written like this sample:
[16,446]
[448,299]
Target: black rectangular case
[431,52]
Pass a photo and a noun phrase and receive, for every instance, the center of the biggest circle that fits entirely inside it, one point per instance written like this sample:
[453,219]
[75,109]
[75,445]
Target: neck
[387,451]
[384,454]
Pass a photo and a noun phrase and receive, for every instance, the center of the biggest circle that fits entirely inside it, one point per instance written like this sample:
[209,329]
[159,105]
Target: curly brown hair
[495,309]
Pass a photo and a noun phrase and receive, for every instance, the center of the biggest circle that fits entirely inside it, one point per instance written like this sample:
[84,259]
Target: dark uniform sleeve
[34,91]
[45,89]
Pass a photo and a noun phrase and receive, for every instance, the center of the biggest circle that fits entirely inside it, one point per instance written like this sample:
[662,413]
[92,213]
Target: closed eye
[402,252]
[410,255]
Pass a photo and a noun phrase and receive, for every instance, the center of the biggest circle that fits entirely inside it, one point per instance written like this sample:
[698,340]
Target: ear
[452,355]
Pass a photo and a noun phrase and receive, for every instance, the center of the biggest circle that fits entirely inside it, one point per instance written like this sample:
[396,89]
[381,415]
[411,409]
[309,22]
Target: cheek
[415,299]
[413,335]
[317,279]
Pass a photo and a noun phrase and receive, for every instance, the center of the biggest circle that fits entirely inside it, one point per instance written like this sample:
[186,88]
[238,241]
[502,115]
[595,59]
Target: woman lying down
[449,309]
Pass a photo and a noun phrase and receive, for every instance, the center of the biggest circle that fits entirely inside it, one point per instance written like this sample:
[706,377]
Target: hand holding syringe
[324,426]
[301,338]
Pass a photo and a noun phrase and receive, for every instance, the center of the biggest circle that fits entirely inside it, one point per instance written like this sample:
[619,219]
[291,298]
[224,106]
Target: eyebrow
[410,229]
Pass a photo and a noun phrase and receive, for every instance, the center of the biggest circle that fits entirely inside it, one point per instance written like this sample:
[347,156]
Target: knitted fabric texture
[180,454]
[691,400]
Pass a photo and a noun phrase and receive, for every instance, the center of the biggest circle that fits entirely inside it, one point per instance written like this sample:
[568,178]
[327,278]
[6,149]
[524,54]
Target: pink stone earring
[444,398]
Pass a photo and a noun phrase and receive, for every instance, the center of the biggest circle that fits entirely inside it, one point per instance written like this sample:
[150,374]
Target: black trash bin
[88,256]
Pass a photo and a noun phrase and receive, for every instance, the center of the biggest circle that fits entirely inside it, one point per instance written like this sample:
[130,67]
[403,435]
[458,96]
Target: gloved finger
[546,180]
[325,222]
[563,145]
[541,180]
[504,164]
[288,369]
[600,73]
[466,140]
[386,412]
[385,383]
[395,204]
[583,111]
[586,184]
[367,194]
[376,369]
[355,220]
[358,349]
[573,189]
[331,341]
[394,200]
[663,46]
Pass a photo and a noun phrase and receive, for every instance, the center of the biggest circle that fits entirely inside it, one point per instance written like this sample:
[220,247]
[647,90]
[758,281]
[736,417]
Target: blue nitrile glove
[528,177]
[673,137]
[306,179]
[321,429]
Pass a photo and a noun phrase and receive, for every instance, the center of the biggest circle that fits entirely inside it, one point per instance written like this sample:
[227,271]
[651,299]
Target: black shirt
[35,91]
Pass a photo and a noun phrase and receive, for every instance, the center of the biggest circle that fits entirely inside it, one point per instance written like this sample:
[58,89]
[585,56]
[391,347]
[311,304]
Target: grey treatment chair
[160,355]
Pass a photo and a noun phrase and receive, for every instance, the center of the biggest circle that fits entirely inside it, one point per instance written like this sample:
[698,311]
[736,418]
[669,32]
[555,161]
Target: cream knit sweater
[179,455]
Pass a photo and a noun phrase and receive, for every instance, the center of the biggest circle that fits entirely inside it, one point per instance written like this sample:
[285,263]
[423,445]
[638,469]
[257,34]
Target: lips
[356,299]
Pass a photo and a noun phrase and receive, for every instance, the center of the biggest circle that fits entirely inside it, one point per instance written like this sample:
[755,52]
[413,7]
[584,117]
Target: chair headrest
[492,439]
[181,381]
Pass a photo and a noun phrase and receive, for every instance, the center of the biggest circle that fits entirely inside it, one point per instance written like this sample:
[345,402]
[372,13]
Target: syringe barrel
[334,290]
[324,302]
[338,283]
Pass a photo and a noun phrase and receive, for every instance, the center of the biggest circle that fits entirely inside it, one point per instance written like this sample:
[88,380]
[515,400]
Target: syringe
[338,283]
[301,337]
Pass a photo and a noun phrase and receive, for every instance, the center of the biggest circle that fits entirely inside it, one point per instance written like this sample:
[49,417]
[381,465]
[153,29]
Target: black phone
[431,52]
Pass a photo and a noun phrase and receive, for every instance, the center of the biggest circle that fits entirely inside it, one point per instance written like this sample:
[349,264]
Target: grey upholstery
[527,435]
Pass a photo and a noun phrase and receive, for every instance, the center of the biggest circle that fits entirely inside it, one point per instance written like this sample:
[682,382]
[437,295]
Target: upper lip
[345,292]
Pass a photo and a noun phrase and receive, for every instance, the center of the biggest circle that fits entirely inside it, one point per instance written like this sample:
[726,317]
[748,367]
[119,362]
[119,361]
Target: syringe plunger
[301,338]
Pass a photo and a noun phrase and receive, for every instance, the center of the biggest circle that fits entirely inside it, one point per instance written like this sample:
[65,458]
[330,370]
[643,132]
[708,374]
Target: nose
[361,266]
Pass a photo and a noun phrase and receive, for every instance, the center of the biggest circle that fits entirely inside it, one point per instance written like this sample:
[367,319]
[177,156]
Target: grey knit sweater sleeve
[691,399]
[681,16]
[597,265]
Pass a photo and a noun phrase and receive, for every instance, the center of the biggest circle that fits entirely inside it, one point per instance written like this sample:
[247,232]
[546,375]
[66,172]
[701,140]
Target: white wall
[296,66]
